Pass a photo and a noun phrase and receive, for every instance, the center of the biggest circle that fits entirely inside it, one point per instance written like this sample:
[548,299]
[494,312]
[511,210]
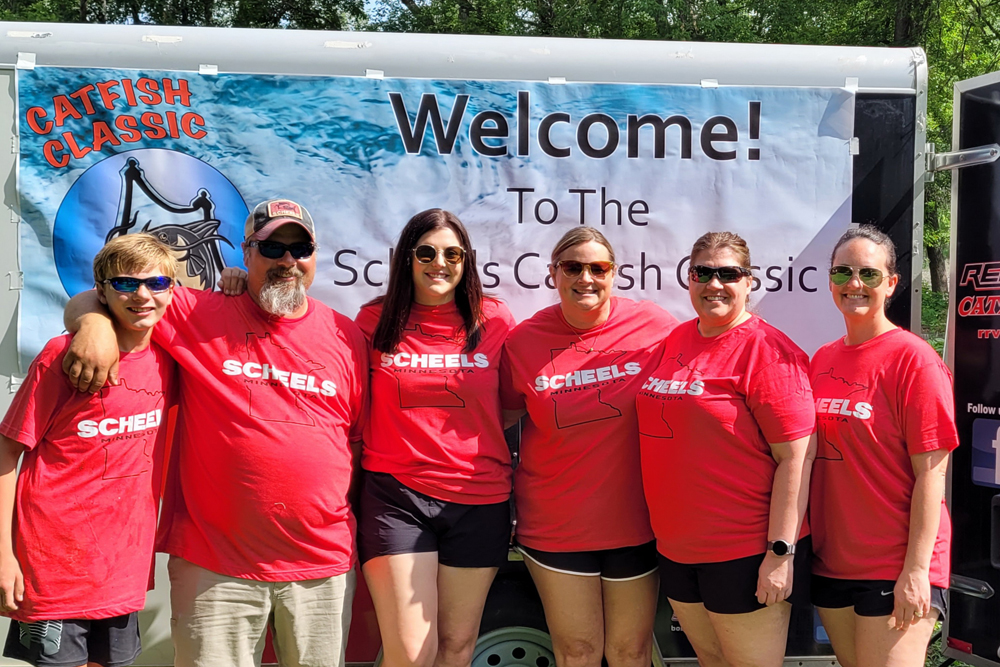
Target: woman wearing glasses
[434,520]
[886,427]
[582,523]
[725,424]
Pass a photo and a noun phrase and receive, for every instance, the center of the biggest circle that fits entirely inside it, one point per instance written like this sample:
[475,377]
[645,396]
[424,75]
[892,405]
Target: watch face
[780,548]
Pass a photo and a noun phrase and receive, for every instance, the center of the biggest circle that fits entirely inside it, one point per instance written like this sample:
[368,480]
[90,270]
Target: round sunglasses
[573,269]
[726,274]
[869,277]
[426,254]
[275,250]
[126,285]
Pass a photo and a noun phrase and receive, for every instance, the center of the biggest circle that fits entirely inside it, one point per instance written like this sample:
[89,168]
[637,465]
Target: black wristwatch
[781,548]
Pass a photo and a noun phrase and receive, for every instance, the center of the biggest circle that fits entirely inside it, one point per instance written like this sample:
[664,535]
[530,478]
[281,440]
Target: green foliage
[303,14]
[934,317]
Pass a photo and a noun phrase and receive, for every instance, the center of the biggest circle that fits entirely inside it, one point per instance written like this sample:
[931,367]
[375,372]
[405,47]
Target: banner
[108,152]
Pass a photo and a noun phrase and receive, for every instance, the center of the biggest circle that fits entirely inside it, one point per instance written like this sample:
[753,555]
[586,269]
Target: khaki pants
[220,621]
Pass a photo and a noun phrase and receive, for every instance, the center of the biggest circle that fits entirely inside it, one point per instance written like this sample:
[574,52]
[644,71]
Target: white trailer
[882,93]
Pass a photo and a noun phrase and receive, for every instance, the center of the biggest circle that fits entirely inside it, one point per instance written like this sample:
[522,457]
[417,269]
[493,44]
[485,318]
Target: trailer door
[972,629]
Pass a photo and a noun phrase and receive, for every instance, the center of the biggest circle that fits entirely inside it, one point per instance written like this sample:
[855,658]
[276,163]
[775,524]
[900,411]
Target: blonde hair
[133,253]
[578,235]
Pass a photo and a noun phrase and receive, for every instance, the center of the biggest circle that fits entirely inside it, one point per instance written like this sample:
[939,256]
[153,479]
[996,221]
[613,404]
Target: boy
[77,525]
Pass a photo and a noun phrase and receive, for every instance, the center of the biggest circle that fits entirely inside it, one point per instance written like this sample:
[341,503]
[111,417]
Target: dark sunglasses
[426,254]
[572,269]
[842,274]
[275,250]
[726,274]
[126,285]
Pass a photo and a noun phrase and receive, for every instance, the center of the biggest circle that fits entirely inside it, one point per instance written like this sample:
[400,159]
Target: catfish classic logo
[181,200]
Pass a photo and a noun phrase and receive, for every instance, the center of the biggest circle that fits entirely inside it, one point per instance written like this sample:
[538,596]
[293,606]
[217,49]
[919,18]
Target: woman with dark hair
[434,518]
[582,523]
[725,426]
[886,418]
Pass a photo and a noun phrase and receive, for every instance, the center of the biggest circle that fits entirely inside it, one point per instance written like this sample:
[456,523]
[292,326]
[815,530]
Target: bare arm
[789,497]
[913,588]
[11,579]
[92,358]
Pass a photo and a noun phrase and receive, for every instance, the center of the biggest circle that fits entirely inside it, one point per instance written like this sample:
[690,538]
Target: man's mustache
[275,274]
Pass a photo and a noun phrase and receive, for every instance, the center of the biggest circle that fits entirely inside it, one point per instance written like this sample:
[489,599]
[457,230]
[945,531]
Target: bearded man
[256,517]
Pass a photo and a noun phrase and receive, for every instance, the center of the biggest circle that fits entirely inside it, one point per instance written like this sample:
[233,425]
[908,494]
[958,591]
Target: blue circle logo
[186,203]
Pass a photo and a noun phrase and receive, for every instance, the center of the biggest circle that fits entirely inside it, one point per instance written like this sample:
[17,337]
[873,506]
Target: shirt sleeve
[781,399]
[510,398]
[44,391]
[367,320]
[360,395]
[928,409]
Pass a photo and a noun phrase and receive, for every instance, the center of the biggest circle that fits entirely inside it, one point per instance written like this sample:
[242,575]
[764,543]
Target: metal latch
[958,159]
[969,586]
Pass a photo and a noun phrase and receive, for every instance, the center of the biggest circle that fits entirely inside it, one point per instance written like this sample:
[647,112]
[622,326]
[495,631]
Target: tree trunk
[939,268]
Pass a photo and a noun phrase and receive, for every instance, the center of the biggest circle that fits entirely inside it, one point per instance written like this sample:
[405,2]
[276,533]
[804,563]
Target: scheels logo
[983,277]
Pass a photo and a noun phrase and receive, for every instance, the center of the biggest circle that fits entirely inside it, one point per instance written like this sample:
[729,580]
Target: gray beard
[282,300]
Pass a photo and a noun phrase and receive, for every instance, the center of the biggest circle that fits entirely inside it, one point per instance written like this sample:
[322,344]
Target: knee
[409,654]
[455,651]
[711,656]
[630,652]
[578,653]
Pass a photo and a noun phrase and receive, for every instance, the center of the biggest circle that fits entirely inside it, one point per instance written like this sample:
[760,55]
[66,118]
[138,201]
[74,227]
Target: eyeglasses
[573,269]
[842,274]
[126,285]
[726,274]
[275,250]
[426,254]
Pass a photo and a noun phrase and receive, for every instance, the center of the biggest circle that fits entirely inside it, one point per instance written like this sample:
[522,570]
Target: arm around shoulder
[92,358]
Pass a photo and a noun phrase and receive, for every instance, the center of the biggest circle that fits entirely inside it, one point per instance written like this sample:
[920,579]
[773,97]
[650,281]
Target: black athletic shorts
[730,587]
[869,597]
[623,564]
[112,642]
[394,519]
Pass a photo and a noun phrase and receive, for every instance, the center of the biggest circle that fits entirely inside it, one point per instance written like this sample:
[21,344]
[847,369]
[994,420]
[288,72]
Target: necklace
[596,338]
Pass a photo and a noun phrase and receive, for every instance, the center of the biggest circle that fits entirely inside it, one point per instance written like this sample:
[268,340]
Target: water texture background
[333,144]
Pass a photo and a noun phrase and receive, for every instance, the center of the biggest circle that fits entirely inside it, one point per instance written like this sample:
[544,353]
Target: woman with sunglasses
[582,523]
[434,519]
[886,427]
[725,424]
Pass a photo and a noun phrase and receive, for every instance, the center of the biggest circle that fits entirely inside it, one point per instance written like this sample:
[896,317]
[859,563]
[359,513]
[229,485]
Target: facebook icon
[986,452]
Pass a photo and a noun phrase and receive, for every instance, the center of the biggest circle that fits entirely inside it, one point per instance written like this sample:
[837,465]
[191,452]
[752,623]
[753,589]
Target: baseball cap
[271,214]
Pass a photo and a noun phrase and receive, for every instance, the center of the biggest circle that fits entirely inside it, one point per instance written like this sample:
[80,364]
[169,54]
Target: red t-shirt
[262,465]
[577,485]
[706,416]
[435,423]
[88,490]
[877,404]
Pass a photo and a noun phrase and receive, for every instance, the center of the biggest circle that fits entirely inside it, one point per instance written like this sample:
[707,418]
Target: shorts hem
[636,577]
[555,569]
[126,663]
